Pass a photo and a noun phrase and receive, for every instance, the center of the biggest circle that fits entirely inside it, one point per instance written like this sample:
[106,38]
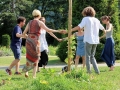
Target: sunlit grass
[51,79]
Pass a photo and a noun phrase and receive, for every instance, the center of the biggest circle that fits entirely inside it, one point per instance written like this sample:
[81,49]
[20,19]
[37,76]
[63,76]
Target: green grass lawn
[5,61]
[53,60]
[50,79]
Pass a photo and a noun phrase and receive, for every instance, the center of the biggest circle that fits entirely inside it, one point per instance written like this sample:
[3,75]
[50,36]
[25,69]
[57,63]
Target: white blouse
[43,41]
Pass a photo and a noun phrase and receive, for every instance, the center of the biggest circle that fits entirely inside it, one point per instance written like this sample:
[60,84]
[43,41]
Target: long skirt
[32,53]
[108,54]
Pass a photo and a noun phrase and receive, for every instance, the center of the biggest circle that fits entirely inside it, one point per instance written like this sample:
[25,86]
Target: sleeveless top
[109,34]
[43,41]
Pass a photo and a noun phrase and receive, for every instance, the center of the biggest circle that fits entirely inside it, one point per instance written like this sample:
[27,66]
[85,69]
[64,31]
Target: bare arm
[75,28]
[19,35]
[42,25]
[53,35]
[26,30]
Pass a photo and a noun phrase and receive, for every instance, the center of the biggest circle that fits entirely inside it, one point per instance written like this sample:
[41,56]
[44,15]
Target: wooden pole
[69,34]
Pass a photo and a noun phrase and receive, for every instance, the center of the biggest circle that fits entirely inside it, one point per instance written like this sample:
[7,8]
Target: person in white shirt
[44,46]
[91,27]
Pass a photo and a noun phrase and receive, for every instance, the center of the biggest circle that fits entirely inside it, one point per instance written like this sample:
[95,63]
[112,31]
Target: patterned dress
[32,45]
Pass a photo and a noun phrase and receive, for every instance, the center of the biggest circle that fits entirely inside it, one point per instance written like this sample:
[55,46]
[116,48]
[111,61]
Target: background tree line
[56,14]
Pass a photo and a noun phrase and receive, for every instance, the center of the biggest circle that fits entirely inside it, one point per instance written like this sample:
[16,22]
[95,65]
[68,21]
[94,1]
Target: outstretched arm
[42,25]
[75,28]
[53,35]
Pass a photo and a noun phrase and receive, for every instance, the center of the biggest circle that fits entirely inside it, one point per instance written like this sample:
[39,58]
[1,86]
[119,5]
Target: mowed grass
[51,79]
[6,60]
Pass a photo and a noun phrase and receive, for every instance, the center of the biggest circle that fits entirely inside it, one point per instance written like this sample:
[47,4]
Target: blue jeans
[90,50]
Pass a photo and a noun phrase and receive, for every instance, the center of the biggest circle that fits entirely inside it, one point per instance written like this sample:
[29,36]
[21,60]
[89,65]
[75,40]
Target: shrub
[4,51]
[5,40]
[52,50]
[23,50]
[61,51]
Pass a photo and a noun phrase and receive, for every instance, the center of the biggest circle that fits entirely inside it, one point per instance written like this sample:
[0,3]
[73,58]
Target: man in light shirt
[91,27]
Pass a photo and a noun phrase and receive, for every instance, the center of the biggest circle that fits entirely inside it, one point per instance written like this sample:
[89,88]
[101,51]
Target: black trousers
[43,59]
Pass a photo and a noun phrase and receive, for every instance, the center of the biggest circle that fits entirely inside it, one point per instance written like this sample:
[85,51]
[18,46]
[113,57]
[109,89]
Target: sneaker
[8,72]
[17,73]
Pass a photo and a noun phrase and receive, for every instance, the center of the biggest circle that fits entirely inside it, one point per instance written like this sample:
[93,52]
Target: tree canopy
[56,14]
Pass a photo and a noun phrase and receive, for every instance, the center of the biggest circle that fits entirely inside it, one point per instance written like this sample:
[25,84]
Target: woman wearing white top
[44,46]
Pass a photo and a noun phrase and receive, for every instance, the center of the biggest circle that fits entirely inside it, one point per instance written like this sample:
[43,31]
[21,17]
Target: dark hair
[106,18]
[42,18]
[88,11]
[20,19]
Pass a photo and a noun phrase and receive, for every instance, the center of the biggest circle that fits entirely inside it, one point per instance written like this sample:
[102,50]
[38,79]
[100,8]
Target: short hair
[20,19]
[36,13]
[105,17]
[88,11]
[42,18]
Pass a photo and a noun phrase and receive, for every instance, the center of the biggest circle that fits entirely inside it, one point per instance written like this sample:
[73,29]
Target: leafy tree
[55,12]
[9,11]
[102,7]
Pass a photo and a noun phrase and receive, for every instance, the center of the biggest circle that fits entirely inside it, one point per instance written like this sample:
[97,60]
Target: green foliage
[6,40]
[5,51]
[56,15]
[102,7]
[51,79]
[52,50]
[23,50]
[10,10]
[61,51]
[117,45]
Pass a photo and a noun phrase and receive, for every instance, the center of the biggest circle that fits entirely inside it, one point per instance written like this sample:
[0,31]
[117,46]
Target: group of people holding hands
[87,37]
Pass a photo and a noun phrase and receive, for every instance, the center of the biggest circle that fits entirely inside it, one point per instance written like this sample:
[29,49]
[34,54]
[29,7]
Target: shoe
[26,76]
[8,72]
[17,73]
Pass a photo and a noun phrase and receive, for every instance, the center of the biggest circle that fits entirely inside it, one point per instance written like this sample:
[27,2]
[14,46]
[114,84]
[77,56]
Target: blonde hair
[88,11]
[36,13]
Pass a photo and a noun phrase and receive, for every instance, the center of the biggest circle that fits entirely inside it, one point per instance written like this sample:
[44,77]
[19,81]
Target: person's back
[34,28]
[91,27]
[109,34]
[91,30]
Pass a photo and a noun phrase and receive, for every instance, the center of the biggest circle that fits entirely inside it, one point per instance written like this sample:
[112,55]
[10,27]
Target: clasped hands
[63,31]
